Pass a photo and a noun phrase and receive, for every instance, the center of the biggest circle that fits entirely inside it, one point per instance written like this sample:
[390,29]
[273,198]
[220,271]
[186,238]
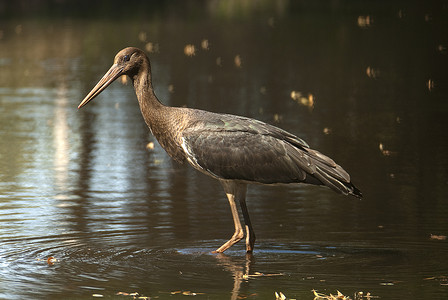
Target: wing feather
[238,148]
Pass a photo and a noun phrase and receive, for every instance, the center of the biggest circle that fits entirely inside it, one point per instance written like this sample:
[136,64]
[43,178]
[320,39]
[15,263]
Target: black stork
[233,149]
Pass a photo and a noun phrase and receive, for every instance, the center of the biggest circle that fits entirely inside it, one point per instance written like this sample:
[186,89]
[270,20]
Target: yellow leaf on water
[189,50]
[237,60]
[280,296]
[438,237]
[51,260]
[152,47]
[122,294]
[204,44]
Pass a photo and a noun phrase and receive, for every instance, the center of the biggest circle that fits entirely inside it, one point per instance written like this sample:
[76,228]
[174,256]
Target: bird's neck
[150,106]
[163,121]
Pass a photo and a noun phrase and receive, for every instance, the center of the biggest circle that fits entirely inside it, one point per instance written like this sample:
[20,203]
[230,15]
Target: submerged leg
[237,191]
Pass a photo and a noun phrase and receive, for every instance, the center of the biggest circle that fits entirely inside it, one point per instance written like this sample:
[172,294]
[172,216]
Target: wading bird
[233,149]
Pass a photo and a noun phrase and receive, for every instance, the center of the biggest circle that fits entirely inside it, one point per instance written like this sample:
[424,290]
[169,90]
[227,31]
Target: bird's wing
[238,148]
[241,156]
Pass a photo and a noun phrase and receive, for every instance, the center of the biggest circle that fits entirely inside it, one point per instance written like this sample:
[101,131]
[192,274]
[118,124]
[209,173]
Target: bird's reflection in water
[240,270]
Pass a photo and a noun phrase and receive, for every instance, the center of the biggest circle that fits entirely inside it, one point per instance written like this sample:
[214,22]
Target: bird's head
[128,61]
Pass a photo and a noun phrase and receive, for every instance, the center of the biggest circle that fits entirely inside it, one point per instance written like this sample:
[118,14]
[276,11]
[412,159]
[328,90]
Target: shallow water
[81,186]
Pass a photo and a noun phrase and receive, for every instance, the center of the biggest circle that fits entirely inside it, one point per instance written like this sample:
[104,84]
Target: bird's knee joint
[238,235]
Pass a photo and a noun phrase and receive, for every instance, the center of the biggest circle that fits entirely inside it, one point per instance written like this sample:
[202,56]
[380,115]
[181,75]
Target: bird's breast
[168,132]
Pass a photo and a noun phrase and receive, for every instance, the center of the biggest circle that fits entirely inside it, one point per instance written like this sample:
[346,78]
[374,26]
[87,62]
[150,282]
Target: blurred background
[91,205]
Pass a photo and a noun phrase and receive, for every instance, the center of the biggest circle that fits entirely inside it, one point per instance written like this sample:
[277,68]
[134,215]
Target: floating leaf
[258,274]
[280,296]
[51,260]
[430,84]
[219,61]
[237,60]
[142,36]
[384,151]
[152,47]
[321,296]
[372,72]
[186,293]
[204,44]
[365,21]
[438,237]
[307,101]
[189,50]
[122,294]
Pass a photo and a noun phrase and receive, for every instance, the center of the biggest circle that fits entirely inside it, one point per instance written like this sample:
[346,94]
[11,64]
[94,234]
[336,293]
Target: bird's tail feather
[325,175]
[324,171]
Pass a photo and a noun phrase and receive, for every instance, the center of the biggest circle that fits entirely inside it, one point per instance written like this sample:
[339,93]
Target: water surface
[81,186]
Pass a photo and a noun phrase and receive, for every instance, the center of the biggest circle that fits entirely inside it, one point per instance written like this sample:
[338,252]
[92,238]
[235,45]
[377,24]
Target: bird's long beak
[114,72]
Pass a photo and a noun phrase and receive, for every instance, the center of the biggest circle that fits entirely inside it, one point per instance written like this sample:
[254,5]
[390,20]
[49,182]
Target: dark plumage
[233,149]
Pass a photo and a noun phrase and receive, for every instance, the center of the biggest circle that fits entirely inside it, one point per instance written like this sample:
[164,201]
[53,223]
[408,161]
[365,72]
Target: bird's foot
[236,237]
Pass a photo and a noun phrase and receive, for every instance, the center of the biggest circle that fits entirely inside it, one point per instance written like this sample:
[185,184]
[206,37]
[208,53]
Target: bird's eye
[126,58]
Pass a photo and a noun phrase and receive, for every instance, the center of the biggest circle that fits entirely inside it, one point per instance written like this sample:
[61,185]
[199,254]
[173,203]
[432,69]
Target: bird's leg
[250,234]
[233,191]
[239,233]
